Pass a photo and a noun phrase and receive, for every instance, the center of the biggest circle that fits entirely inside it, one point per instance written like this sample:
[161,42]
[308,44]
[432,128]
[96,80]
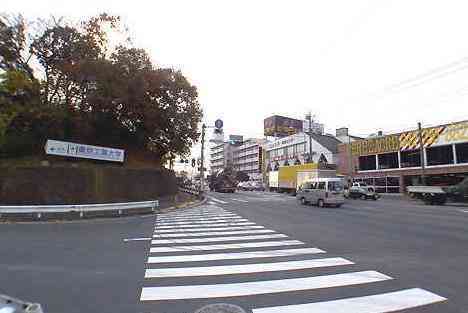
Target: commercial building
[247,158]
[394,161]
[295,149]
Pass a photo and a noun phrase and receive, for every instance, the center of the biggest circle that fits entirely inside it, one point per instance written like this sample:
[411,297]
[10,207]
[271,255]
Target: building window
[462,152]
[439,155]
[388,160]
[367,162]
[410,158]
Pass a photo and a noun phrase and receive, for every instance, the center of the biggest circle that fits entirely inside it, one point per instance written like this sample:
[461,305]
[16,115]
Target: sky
[364,64]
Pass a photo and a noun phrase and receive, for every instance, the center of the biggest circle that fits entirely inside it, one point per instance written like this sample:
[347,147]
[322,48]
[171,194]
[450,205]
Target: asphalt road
[392,253]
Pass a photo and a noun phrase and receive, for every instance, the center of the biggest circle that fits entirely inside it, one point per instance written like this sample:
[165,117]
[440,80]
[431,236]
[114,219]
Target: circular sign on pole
[219,123]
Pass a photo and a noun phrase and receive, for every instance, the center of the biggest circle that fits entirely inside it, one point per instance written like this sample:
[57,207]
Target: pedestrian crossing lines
[247,253]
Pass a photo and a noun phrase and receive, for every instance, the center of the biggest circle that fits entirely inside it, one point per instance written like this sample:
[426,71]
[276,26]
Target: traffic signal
[218,126]
[194,162]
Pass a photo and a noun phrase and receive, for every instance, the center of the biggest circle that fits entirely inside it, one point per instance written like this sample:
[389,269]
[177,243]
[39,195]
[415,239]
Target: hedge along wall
[69,185]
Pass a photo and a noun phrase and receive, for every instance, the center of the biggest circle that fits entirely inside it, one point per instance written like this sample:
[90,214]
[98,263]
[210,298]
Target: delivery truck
[288,178]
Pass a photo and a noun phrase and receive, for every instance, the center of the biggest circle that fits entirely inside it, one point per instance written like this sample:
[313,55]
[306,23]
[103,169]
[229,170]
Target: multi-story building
[248,158]
[295,149]
[221,154]
[392,162]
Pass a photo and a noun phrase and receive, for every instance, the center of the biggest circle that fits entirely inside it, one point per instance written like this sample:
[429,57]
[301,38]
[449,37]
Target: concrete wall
[69,185]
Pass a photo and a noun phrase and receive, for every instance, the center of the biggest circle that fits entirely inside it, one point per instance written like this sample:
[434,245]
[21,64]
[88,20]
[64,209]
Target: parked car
[322,192]
[256,186]
[362,191]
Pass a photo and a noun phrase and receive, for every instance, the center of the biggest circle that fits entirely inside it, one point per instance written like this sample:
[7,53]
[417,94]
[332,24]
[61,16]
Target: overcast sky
[367,65]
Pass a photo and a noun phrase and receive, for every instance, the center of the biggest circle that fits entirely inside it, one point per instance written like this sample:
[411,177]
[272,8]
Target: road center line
[137,239]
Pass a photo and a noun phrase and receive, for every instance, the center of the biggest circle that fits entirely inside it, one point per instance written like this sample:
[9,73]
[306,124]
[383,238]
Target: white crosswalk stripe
[179,235]
[260,287]
[181,230]
[214,225]
[382,303]
[215,233]
[195,222]
[216,239]
[242,269]
[227,246]
[203,218]
[233,255]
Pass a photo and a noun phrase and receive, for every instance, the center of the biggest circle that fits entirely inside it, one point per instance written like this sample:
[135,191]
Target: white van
[322,192]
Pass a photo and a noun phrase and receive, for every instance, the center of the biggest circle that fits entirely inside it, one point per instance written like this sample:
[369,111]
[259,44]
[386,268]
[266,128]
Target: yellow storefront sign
[375,145]
[454,133]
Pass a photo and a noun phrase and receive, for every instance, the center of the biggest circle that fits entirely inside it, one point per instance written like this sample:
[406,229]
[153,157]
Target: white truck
[439,195]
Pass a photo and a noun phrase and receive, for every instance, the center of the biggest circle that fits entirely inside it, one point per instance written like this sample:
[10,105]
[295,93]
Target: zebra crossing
[210,242]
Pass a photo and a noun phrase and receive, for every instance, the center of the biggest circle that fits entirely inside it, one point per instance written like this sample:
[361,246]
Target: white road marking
[200,222]
[217,200]
[244,269]
[233,256]
[206,229]
[216,239]
[230,215]
[201,213]
[216,233]
[381,303]
[239,200]
[203,218]
[137,239]
[464,211]
[211,225]
[259,287]
[226,246]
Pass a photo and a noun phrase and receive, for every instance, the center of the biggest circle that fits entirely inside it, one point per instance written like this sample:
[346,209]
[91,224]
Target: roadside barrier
[78,211]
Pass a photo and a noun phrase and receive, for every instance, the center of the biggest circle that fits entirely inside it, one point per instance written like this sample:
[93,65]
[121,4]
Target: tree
[242,176]
[91,93]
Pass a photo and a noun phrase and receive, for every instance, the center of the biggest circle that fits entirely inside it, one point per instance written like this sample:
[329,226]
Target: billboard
[281,126]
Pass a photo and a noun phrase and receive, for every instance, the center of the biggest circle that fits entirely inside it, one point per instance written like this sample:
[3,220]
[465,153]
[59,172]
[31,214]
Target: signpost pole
[202,161]
[421,153]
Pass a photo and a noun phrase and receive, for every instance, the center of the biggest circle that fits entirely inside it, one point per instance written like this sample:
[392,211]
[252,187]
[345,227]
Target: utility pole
[350,159]
[421,154]
[202,161]
[309,118]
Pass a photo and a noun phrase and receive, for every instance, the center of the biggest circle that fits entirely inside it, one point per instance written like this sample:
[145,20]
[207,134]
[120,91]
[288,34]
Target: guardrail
[81,209]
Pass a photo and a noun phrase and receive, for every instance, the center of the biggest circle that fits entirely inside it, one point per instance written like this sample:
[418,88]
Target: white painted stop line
[381,303]
[226,246]
[233,255]
[244,269]
[259,287]
[216,239]
[211,225]
[215,233]
[182,230]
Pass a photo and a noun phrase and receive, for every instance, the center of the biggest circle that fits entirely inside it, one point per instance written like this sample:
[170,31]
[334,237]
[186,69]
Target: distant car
[362,191]
[256,186]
